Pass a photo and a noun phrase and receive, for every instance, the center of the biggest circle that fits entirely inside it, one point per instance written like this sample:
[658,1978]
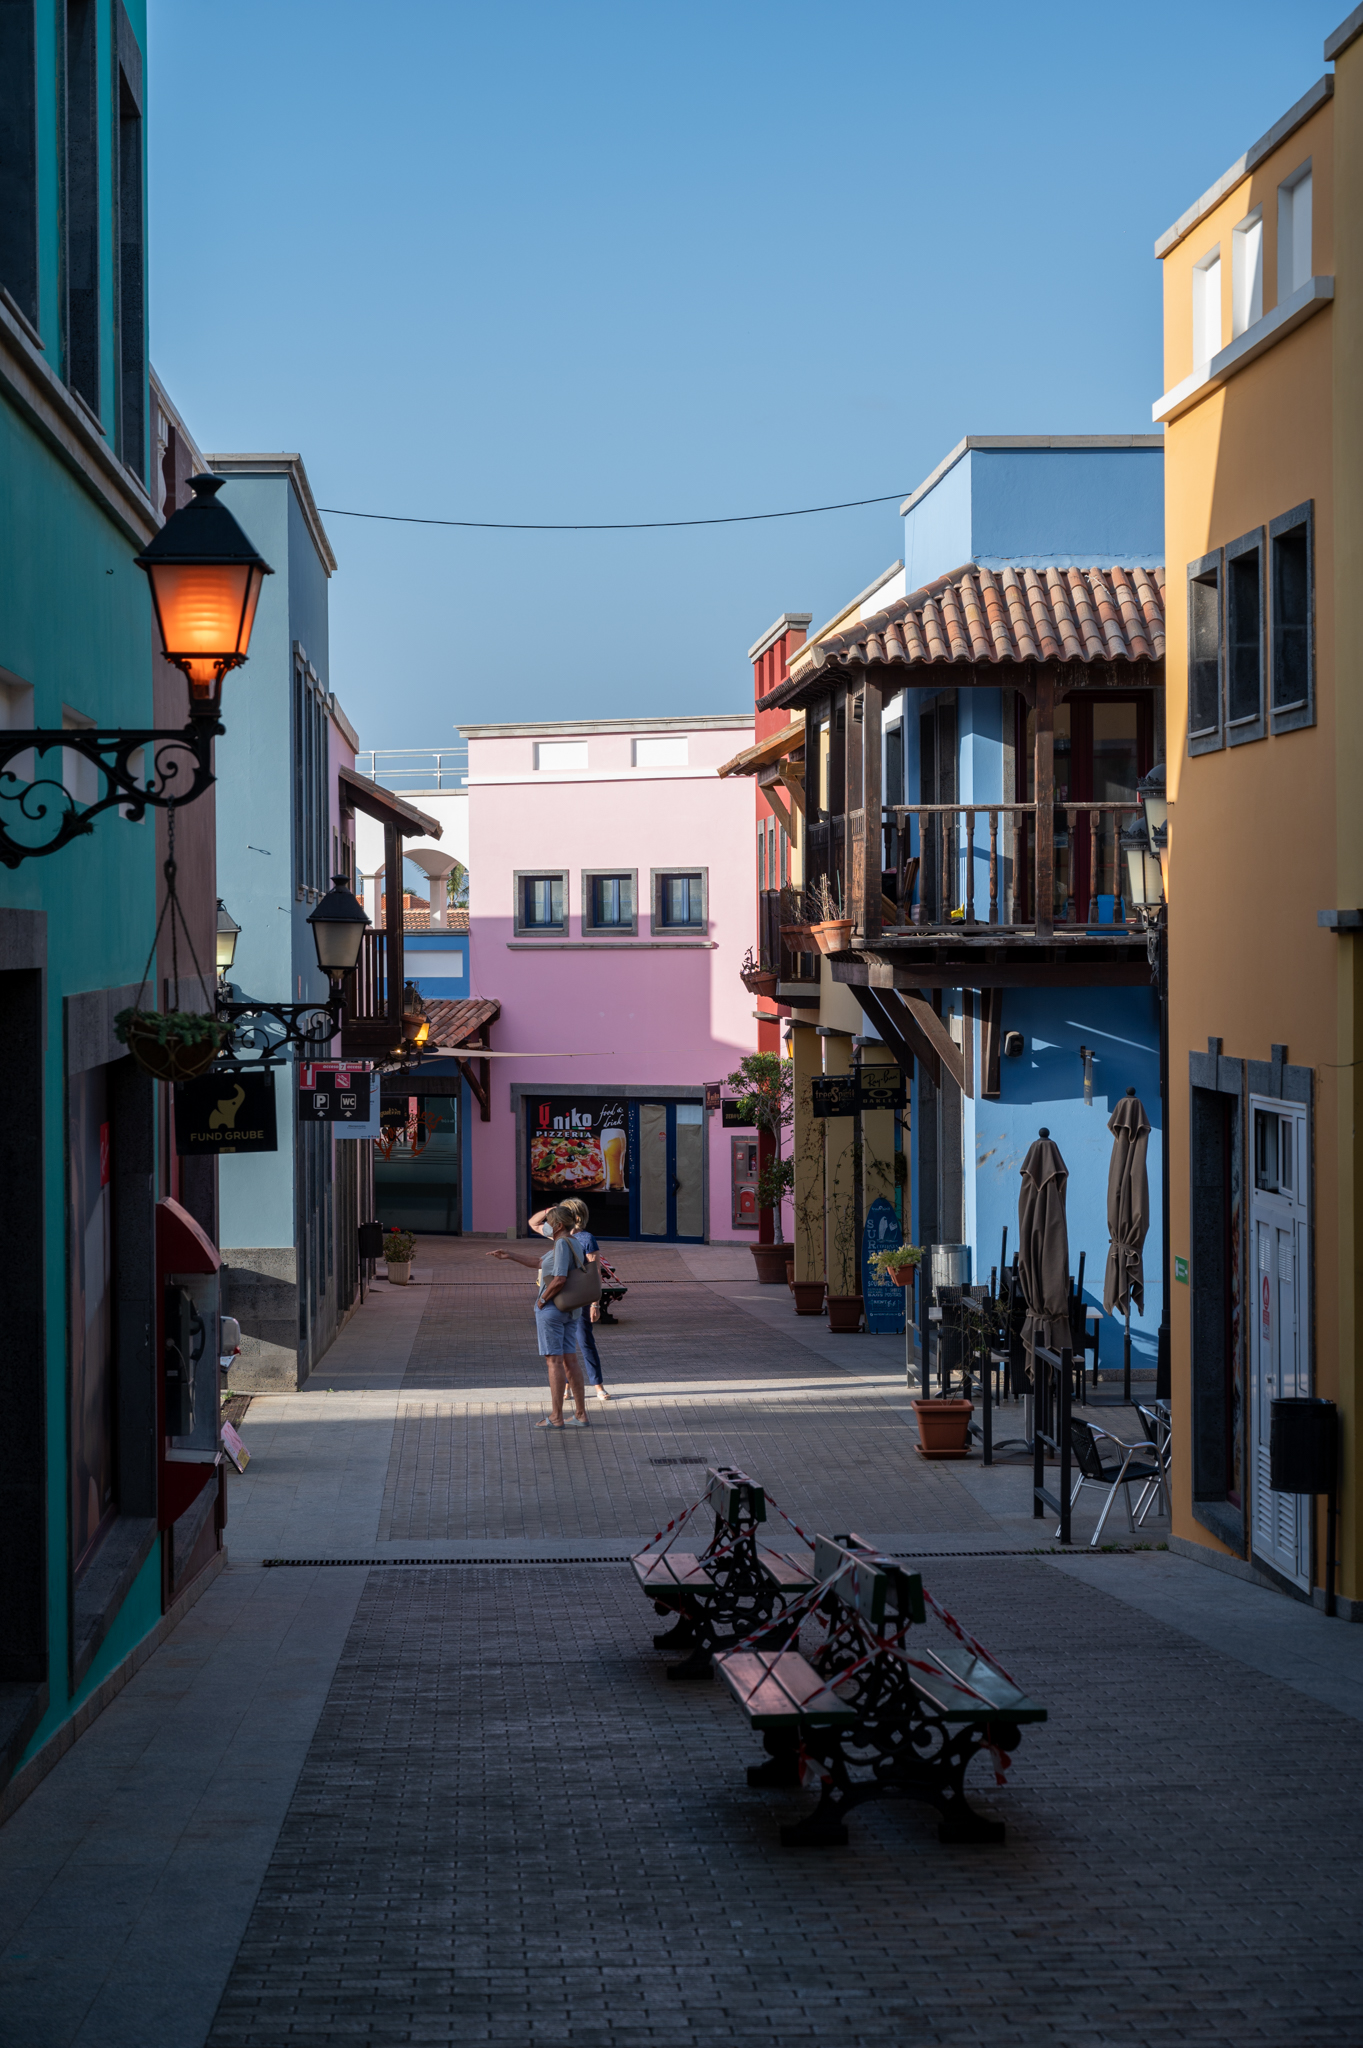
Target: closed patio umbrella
[1128,1218]
[1044,1246]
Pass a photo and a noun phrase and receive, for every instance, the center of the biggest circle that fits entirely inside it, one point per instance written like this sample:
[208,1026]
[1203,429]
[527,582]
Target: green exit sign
[1181,1270]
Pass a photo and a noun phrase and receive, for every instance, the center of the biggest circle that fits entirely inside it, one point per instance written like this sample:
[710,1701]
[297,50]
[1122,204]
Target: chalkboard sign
[884,1302]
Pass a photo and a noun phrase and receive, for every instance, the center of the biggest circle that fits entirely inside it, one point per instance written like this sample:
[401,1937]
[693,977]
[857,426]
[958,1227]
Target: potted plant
[898,1262]
[829,929]
[763,1082]
[944,1425]
[171,1045]
[756,979]
[398,1246]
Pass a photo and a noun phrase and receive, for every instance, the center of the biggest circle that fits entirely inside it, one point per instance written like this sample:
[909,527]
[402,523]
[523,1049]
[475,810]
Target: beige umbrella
[1044,1246]
[1128,1207]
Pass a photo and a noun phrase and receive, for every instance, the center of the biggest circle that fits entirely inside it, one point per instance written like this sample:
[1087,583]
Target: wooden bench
[729,1589]
[904,1723]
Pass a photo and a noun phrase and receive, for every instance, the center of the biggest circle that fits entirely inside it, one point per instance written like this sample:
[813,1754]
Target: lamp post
[205,579]
[1146,845]
[338,928]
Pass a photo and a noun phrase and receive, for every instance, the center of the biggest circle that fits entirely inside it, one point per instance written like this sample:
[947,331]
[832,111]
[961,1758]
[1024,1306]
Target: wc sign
[332,1093]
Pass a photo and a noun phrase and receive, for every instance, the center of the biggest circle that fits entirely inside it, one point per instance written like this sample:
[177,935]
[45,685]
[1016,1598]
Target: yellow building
[1263,411]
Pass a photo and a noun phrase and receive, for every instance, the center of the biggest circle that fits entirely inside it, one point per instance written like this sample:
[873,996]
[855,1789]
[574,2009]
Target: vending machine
[743,1170]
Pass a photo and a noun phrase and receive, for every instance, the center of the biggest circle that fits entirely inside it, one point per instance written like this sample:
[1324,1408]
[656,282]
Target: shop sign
[712,1094]
[578,1145]
[882,1087]
[834,1094]
[731,1117]
[329,1093]
[223,1113]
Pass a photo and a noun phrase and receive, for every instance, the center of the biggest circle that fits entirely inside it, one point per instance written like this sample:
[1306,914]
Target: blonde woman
[583,1334]
[554,1327]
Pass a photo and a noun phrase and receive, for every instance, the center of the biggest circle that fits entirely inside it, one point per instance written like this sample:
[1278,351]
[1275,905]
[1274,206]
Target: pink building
[611,905]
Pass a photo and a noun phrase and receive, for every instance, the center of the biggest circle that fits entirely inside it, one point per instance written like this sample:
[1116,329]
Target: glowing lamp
[228,933]
[205,581]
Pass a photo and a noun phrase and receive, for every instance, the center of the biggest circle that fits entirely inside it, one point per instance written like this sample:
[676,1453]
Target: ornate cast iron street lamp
[229,931]
[205,579]
[338,928]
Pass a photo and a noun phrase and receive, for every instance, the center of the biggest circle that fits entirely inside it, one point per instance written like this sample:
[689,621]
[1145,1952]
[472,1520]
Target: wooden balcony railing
[964,865]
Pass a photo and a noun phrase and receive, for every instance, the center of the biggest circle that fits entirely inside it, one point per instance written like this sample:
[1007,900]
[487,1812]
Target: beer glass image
[613,1156]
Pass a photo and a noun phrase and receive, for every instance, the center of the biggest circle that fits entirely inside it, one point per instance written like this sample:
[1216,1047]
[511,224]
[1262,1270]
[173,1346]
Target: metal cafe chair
[1160,1430]
[1134,1467]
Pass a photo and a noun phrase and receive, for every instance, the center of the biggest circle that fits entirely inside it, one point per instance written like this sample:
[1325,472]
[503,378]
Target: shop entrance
[638,1166]
[1281,1350]
[417,1165]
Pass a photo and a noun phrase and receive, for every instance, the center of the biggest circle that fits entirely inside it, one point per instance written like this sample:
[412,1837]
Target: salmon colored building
[1263,411]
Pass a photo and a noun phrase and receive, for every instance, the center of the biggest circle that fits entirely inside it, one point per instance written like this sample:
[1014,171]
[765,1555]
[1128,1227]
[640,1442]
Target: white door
[1280,1252]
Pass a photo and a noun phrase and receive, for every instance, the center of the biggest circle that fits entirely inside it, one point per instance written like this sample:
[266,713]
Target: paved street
[456,1800]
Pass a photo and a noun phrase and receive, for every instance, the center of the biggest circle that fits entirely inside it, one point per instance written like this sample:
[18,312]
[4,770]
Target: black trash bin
[1303,1446]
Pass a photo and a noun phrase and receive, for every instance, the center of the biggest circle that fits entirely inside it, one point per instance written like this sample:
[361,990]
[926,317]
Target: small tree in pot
[764,1083]
[398,1246]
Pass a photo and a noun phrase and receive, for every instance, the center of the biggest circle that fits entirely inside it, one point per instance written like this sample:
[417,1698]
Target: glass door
[1281,1349]
[669,1147]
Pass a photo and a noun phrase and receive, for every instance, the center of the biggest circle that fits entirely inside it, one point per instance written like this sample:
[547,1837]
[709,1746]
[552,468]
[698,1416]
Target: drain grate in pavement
[679,1461]
[378,1564]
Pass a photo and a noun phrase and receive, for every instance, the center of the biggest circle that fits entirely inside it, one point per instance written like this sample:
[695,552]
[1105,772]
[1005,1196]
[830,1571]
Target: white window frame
[589,924]
[659,929]
[1207,337]
[1247,272]
[578,765]
[1296,227]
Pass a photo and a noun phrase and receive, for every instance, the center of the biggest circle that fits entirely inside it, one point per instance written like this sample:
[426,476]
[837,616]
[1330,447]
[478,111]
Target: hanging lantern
[206,580]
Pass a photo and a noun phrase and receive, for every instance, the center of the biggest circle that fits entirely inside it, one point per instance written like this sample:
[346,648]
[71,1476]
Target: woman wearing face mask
[556,1327]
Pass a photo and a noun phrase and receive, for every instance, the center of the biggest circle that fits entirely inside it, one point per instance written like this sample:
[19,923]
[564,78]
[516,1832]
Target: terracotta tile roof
[976,615]
[453,1023]
[420,921]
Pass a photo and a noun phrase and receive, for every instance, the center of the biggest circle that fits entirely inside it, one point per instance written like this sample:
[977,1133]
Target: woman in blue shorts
[586,1336]
[556,1328]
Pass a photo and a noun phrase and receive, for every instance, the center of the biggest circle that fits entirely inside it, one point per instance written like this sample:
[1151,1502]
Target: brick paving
[510,1828]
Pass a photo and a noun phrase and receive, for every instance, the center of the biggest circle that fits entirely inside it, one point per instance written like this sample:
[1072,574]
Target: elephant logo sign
[224,1117]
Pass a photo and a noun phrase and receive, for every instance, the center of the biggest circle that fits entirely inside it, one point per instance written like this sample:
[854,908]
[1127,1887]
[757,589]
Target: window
[1247,272]
[658,752]
[311,794]
[19,158]
[1204,654]
[571,754]
[608,901]
[679,900]
[1291,614]
[540,900]
[1294,231]
[1245,639]
[1207,307]
[82,203]
[132,347]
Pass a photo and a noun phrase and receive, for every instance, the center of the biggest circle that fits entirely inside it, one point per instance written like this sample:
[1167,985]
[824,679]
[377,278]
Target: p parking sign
[329,1093]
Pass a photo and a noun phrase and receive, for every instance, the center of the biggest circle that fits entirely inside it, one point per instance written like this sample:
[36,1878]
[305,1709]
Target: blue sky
[584,261]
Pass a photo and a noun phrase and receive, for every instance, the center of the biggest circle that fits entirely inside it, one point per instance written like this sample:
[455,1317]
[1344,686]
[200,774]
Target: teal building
[102,1540]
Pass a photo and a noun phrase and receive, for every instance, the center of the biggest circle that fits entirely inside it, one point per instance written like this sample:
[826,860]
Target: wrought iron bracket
[39,814]
[306,1028]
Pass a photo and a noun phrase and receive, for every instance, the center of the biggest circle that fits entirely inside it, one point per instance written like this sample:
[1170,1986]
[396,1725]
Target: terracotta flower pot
[844,1312]
[808,1297]
[832,936]
[759,984]
[944,1428]
[399,1271]
[770,1261]
[900,1276]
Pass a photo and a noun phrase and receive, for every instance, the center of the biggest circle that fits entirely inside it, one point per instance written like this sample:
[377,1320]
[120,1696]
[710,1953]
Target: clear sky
[578,261]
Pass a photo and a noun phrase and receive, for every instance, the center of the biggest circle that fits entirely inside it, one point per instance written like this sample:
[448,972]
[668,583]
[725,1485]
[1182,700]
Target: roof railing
[414,769]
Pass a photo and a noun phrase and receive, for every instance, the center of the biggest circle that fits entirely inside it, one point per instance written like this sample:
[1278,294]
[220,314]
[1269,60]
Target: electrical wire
[609,526]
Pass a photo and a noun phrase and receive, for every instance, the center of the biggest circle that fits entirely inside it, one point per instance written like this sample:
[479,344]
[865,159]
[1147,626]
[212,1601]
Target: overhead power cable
[604,526]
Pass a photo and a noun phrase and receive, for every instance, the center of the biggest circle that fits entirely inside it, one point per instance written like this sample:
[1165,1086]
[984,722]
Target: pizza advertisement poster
[578,1146]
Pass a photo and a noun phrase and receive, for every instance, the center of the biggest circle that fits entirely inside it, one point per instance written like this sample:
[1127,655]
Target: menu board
[579,1145]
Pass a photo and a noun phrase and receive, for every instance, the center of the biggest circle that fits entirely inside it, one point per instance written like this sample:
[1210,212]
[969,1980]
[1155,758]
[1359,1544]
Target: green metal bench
[869,1714]
[727,1591]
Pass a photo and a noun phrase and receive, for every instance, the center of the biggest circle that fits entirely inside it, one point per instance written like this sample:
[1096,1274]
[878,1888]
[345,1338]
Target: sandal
[548,1422]
[576,1422]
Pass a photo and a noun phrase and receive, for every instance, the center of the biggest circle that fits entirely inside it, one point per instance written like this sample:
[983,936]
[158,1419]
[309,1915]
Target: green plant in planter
[171,1045]
[897,1258]
[765,1083]
[398,1246]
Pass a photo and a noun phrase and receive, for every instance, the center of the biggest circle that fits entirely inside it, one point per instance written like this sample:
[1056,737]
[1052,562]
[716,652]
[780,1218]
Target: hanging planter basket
[171,1045]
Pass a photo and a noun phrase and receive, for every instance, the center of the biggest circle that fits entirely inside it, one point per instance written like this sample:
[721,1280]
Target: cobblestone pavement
[460,1802]
[510,1828]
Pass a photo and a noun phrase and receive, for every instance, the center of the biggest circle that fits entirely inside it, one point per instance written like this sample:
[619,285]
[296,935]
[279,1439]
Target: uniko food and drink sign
[579,1145]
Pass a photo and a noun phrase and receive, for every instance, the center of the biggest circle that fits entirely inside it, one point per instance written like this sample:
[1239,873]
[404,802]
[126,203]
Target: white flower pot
[399,1271]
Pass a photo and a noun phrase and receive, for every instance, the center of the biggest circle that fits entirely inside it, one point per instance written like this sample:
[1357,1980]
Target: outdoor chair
[1137,1465]
[1160,1430]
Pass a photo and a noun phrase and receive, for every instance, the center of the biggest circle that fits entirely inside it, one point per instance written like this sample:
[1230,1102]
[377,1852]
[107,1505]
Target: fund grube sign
[221,1114]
